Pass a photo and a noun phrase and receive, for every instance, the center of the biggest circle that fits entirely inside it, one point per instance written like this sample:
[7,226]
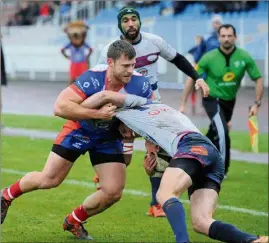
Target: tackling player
[149,47]
[195,165]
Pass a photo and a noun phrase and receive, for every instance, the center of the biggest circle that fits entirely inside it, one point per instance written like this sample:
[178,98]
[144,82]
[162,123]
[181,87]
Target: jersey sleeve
[166,51]
[86,85]
[103,56]
[145,88]
[202,65]
[252,69]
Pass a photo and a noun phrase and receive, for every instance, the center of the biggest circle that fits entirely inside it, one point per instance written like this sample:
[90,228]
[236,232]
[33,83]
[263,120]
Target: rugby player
[88,129]
[193,164]
[149,47]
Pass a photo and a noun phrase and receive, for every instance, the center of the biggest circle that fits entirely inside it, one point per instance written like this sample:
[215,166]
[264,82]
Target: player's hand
[107,112]
[253,110]
[182,108]
[201,84]
[151,148]
[150,163]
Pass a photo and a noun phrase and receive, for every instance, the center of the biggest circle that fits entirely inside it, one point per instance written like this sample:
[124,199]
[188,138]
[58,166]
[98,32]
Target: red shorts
[76,69]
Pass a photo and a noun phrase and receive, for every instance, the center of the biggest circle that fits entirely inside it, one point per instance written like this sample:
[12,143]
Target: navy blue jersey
[94,81]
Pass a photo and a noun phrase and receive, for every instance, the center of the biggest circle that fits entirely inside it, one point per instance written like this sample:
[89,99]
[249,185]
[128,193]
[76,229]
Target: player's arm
[255,75]
[181,62]
[68,104]
[171,55]
[120,100]
[150,160]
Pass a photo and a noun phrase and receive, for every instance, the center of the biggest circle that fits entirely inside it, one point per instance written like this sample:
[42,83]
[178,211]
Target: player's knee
[112,194]
[48,181]
[201,224]
[163,195]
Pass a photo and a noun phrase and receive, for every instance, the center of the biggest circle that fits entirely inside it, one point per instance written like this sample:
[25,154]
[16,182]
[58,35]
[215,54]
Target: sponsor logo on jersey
[238,63]
[82,138]
[199,150]
[157,111]
[81,86]
[152,58]
[145,87]
[77,145]
[86,85]
[228,77]
[95,82]
[143,71]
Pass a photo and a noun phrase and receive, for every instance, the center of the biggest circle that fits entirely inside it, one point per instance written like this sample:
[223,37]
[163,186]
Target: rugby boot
[4,206]
[77,229]
[156,211]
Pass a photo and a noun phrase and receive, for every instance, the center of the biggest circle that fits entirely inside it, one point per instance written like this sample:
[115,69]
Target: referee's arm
[255,75]
[201,68]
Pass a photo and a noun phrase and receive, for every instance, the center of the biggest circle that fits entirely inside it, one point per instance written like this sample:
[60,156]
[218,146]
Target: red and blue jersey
[93,81]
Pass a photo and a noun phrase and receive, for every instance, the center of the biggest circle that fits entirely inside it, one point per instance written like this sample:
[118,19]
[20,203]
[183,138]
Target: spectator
[210,41]
[64,7]
[45,12]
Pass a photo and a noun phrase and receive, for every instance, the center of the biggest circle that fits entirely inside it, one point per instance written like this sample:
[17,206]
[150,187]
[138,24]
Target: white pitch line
[142,194]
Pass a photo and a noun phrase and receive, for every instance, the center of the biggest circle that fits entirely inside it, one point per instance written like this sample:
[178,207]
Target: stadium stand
[250,19]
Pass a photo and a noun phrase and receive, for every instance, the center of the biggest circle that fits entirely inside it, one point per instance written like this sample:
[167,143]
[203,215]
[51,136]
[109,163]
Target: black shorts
[196,171]
[96,157]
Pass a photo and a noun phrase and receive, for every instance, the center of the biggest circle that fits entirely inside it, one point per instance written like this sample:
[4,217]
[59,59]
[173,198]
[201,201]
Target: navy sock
[228,233]
[176,216]
[155,184]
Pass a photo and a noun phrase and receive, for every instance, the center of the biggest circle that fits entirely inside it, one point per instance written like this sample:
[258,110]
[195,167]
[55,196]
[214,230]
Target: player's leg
[227,107]
[203,205]
[111,170]
[218,130]
[128,148]
[58,164]
[155,209]
[193,99]
[204,195]
[176,179]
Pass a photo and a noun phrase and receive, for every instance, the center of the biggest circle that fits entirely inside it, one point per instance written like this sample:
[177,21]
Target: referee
[224,68]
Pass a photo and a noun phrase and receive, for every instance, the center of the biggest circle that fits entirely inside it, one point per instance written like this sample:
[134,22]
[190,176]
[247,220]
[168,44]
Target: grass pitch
[37,216]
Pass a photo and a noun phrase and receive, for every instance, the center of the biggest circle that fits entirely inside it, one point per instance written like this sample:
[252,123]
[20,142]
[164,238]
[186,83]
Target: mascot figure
[77,51]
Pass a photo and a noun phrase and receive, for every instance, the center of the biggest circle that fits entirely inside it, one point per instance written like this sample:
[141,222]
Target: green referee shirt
[225,72]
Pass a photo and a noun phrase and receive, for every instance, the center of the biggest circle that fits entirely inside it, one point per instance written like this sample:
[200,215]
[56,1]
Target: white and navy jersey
[148,49]
[159,124]
[93,81]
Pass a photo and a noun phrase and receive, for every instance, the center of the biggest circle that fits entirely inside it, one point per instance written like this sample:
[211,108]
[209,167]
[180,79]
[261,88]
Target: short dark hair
[227,26]
[121,47]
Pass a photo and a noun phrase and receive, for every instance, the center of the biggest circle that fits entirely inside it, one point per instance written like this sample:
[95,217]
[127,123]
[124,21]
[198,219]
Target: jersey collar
[227,55]
[134,43]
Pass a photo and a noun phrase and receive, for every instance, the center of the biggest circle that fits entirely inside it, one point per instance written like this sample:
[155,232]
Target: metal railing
[85,10]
